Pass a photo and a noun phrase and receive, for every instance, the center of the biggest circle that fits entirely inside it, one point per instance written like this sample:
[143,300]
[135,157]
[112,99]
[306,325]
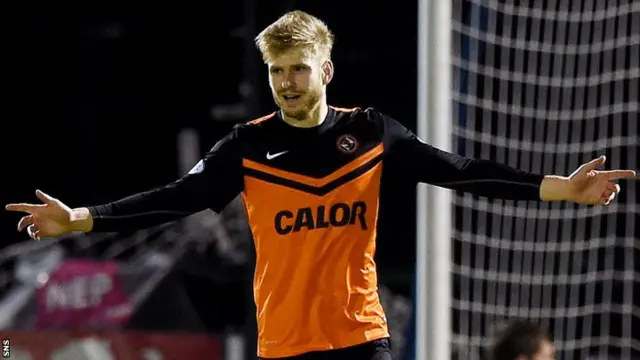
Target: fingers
[33,232]
[610,193]
[29,208]
[22,207]
[619,174]
[612,186]
[608,199]
[25,221]
[45,198]
[29,223]
[595,163]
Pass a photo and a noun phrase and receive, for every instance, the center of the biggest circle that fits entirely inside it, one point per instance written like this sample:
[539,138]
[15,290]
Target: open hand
[590,186]
[49,219]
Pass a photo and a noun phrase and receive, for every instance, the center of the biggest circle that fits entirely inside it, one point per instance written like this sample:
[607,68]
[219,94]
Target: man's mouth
[291,97]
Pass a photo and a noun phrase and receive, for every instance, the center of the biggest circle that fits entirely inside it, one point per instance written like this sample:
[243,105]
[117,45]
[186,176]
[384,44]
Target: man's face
[546,352]
[297,82]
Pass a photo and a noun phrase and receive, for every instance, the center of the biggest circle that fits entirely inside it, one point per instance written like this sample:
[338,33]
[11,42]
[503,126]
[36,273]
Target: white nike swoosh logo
[273,156]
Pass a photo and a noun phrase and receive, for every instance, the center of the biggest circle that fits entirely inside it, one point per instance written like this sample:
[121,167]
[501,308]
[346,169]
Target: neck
[316,116]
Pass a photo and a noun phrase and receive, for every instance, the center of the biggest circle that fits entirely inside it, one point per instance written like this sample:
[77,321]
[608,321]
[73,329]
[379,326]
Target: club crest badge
[347,144]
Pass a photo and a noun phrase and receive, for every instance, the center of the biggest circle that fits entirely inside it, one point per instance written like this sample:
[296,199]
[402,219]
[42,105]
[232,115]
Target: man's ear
[327,72]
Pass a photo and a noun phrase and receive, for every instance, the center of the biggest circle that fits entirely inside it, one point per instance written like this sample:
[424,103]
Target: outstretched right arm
[211,184]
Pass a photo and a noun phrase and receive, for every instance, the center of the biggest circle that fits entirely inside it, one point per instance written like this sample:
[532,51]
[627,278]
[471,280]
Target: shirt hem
[371,335]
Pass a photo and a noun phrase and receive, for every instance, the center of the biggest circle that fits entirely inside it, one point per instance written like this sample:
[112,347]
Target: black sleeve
[421,162]
[211,184]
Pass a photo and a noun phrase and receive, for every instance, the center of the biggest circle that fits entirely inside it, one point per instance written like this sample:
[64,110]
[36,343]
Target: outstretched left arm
[425,163]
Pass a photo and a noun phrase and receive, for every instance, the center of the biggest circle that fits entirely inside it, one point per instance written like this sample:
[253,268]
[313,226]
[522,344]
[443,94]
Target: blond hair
[295,30]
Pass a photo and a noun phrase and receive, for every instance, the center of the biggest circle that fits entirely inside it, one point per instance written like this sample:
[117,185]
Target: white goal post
[433,287]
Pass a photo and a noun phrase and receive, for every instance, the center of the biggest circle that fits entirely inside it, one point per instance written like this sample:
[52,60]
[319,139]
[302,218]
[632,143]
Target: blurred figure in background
[522,340]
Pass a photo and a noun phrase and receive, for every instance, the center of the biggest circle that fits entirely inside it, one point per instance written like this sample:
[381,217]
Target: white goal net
[546,86]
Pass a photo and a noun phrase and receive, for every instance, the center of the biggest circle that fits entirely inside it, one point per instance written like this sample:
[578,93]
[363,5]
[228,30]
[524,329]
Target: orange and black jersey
[312,200]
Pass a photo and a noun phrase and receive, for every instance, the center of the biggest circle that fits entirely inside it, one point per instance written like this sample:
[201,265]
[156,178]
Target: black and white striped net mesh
[546,86]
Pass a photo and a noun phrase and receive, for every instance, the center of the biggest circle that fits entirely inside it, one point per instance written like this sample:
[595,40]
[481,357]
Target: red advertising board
[82,293]
[125,345]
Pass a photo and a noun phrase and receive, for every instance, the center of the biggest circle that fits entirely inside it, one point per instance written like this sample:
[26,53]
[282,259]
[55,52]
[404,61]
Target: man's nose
[287,81]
